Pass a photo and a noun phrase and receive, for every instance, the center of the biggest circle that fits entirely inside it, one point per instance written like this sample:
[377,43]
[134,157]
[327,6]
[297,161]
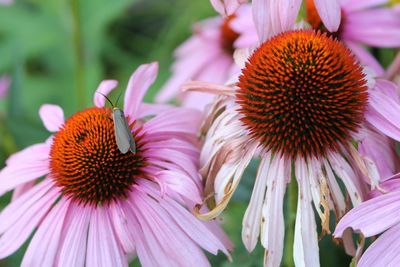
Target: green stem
[78,52]
[290,220]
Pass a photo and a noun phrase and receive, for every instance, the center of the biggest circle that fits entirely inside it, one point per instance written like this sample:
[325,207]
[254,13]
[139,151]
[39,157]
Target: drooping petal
[103,249]
[20,218]
[384,251]
[252,217]
[72,250]
[262,20]
[372,216]
[104,89]
[306,251]
[273,226]
[52,117]
[138,84]
[20,190]
[152,109]
[42,250]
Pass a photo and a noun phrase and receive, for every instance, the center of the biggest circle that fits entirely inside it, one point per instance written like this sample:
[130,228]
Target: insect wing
[123,135]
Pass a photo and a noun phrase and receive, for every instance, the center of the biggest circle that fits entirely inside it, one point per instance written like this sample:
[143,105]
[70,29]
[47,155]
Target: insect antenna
[106,98]
[119,95]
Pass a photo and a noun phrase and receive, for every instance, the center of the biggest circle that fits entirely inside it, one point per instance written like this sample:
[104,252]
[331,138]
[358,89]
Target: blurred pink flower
[6,2]
[226,7]
[379,215]
[301,100]
[363,23]
[96,206]
[206,56]
[4,86]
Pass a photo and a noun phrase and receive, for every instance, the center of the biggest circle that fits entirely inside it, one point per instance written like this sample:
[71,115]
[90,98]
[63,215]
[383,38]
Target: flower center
[302,93]
[85,161]
[316,23]
[228,35]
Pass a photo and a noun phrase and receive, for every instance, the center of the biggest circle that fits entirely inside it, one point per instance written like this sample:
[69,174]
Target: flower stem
[78,53]
[290,220]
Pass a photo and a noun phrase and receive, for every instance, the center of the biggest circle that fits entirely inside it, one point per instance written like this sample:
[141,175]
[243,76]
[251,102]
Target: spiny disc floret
[86,163]
[302,94]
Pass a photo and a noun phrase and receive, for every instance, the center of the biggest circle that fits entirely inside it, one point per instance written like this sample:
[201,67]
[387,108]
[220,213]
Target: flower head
[95,205]
[4,86]
[300,104]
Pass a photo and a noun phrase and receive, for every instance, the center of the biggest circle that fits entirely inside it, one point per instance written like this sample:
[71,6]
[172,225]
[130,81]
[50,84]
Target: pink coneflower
[4,85]
[206,56]
[362,23]
[375,216]
[299,104]
[96,205]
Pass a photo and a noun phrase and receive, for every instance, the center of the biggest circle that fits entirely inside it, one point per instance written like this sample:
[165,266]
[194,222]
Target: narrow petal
[252,217]
[330,13]
[273,226]
[42,250]
[138,85]
[306,251]
[20,218]
[262,20]
[72,251]
[52,117]
[373,216]
[103,249]
[124,229]
[384,251]
[20,190]
[104,89]
[195,229]
[181,250]
[288,12]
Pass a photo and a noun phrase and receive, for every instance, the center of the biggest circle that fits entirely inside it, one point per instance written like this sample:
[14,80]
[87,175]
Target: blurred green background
[58,51]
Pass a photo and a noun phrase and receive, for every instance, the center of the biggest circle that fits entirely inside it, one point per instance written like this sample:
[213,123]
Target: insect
[122,132]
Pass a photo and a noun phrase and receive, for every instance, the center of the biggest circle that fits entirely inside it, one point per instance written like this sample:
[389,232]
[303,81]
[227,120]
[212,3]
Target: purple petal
[356,5]
[384,251]
[104,89]
[138,84]
[52,117]
[103,249]
[43,248]
[372,216]
[330,13]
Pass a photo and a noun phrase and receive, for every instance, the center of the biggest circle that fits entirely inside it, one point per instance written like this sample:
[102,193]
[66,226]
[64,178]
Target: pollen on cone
[302,93]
